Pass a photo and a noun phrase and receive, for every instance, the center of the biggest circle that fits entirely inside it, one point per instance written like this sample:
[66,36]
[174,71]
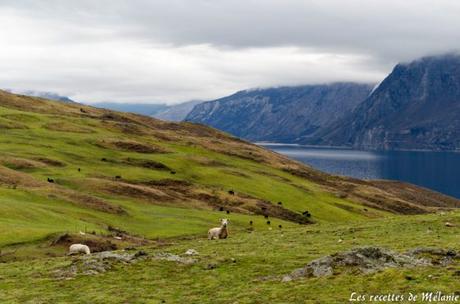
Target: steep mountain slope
[177,112]
[416,107]
[70,168]
[282,114]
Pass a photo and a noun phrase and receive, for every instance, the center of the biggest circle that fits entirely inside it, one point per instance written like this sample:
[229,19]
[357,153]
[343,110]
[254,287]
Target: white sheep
[219,232]
[78,248]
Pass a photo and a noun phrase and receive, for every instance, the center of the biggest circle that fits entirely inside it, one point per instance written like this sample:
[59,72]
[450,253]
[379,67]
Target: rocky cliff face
[416,107]
[284,114]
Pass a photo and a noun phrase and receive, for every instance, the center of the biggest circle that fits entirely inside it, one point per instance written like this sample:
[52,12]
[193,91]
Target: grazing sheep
[78,248]
[50,180]
[306,213]
[219,232]
[231,192]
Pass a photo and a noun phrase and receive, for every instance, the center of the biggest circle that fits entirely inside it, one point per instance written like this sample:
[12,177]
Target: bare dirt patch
[96,244]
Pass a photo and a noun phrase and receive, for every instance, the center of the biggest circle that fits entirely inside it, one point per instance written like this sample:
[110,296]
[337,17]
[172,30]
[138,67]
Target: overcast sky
[176,50]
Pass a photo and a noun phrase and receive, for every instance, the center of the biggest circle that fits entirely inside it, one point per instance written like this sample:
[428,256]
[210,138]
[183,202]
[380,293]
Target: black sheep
[118,177]
[173,172]
[50,180]
[268,223]
[228,211]
[250,223]
[231,192]
[280,203]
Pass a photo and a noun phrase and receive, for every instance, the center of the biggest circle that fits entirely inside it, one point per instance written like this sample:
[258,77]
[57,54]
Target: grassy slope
[34,212]
[41,139]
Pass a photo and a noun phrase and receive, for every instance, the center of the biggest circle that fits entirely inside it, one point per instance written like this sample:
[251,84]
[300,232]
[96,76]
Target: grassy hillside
[72,173]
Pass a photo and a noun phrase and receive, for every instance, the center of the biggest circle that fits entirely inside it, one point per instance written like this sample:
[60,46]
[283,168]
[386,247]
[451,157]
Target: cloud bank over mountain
[175,50]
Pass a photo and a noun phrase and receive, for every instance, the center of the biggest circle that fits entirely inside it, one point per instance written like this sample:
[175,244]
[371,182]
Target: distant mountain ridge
[137,108]
[416,107]
[46,95]
[177,112]
[282,114]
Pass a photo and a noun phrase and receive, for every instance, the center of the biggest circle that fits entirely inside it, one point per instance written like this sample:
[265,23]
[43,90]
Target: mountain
[283,114]
[137,108]
[416,107]
[46,95]
[177,112]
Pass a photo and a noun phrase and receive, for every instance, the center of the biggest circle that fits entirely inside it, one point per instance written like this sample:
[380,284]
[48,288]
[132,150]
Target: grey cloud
[154,51]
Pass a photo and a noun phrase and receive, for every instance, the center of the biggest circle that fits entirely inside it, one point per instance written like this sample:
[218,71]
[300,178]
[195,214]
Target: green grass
[258,254]
[34,212]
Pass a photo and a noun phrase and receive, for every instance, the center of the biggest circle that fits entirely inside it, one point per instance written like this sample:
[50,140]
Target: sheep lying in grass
[78,248]
[219,232]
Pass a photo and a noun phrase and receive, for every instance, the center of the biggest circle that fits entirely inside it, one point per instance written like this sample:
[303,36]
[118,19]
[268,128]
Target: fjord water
[439,171]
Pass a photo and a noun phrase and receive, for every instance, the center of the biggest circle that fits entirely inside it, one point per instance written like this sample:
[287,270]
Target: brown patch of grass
[130,146]
[67,127]
[269,209]
[145,163]
[9,177]
[50,162]
[88,201]
[17,163]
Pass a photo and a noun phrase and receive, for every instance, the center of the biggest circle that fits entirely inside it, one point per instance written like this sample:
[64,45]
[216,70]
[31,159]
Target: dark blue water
[439,171]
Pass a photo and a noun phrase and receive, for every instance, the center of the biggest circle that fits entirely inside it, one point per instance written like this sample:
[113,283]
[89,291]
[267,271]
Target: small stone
[191,252]
[286,278]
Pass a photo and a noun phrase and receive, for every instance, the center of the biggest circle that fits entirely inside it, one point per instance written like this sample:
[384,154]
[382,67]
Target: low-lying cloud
[176,50]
